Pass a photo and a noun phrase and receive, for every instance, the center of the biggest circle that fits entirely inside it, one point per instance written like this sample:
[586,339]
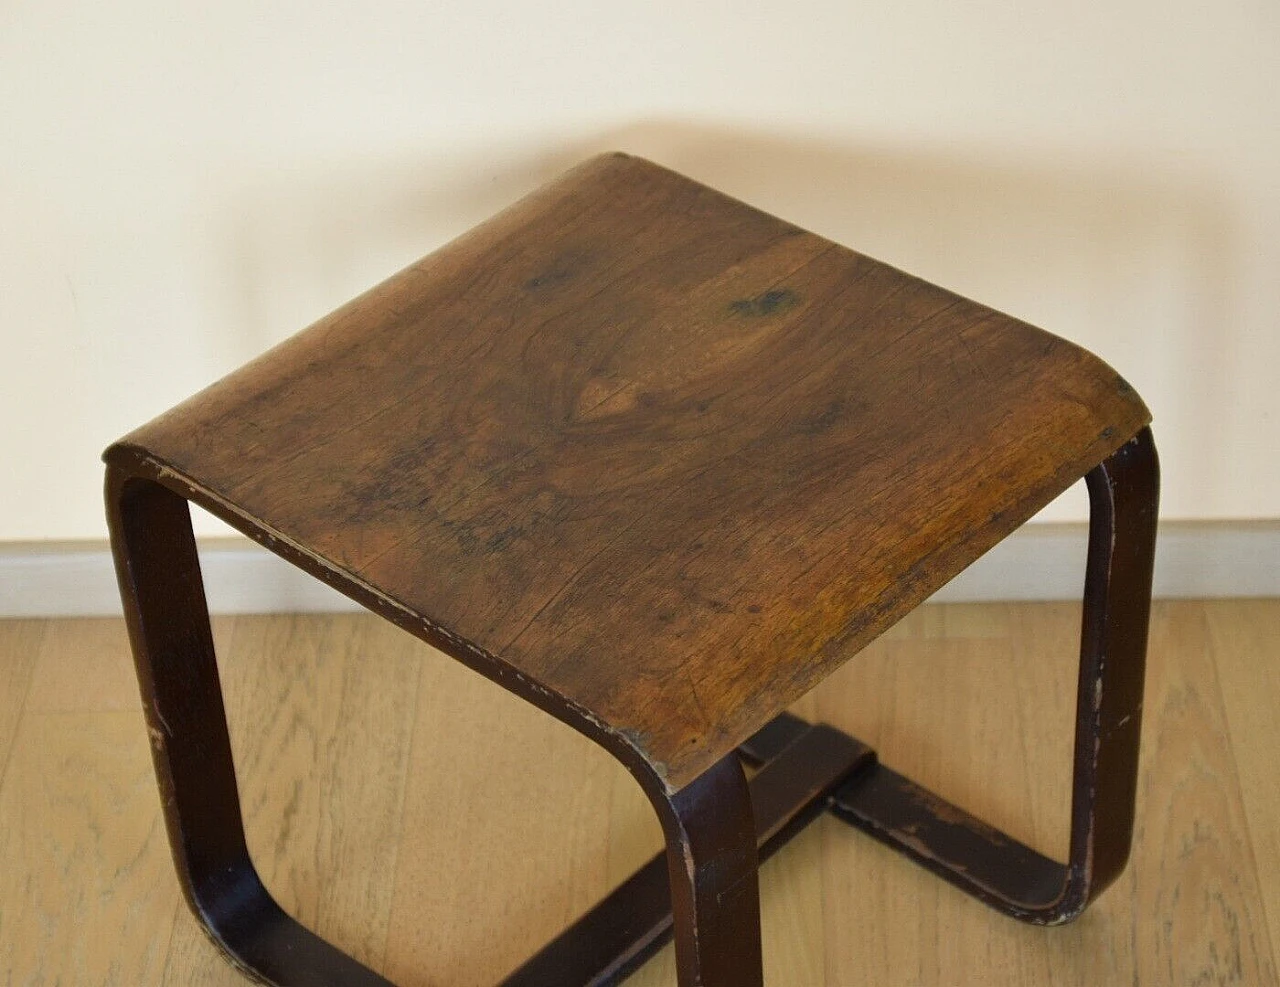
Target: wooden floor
[441,830]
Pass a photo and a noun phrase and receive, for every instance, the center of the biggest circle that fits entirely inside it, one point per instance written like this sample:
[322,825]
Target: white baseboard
[1038,562]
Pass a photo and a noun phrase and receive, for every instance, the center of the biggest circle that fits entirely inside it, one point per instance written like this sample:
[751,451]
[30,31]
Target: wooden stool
[658,463]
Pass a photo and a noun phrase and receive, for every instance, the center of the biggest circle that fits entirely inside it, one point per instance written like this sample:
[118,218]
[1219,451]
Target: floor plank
[484,762]
[1245,636]
[321,712]
[84,665]
[20,642]
[1196,891]
[86,884]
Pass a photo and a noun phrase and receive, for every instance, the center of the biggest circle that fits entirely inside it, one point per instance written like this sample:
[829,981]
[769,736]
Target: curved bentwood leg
[1123,494]
[711,865]
[168,622]
[702,890]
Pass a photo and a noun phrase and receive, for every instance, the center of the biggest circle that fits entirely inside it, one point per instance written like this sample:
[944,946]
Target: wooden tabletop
[652,458]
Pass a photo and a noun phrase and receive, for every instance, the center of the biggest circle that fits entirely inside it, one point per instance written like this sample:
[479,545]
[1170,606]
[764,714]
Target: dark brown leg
[1123,495]
[168,622]
[989,864]
[711,865]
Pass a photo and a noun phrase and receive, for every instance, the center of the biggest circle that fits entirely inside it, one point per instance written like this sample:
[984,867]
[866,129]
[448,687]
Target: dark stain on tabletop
[548,279]
[766,303]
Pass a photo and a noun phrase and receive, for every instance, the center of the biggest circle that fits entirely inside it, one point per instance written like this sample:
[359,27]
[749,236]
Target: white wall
[183,184]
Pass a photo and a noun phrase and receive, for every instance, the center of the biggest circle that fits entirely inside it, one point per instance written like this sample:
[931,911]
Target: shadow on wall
[1136,267]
